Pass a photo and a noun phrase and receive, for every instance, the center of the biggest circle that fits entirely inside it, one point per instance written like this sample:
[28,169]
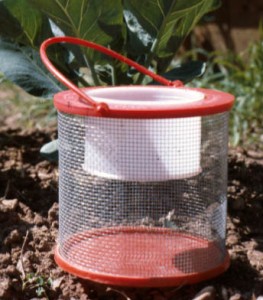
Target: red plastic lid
[146,102]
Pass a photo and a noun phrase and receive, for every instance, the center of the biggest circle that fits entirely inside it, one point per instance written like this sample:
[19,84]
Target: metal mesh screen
[143,198]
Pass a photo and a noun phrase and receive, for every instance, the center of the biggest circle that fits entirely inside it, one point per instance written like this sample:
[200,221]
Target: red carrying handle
[72,40]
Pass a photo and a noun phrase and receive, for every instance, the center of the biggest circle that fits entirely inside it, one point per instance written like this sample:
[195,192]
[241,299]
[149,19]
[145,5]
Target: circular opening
[145,96]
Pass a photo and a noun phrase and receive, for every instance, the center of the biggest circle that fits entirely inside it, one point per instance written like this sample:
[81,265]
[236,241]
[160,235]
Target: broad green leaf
[99,21]
[180,20]
[139,41]
[34,25]
[149,31]
[50,151]
[9,26]
[22,66]
[162,25]
[186,72]
[28,26]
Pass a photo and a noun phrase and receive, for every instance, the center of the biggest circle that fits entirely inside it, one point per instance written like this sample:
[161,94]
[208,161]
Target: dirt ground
[29,227]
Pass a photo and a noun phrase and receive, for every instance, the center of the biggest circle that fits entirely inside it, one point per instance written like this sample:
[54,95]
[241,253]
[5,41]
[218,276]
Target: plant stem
[113,75]
[22,256]
[90,65]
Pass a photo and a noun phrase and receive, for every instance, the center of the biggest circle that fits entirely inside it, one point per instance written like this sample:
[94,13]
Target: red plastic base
[141,257]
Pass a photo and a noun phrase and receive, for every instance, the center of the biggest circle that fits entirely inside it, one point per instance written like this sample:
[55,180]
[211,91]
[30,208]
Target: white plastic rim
[143,149]
[144,96]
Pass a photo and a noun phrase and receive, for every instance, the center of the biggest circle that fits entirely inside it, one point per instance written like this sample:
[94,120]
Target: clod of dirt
[43,245]
[5,284]
[232,240]
[12,271]
[5,259]
[56,283]
[7,208]
[13,238]
[255,258]
[53,212]
[8,205]
[39,220]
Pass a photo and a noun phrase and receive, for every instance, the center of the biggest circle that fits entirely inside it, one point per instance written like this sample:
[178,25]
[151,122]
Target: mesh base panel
[119,227]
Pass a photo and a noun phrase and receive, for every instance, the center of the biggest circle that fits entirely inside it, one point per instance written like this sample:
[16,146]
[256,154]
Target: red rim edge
[142,282]
[162,281]
[213,102]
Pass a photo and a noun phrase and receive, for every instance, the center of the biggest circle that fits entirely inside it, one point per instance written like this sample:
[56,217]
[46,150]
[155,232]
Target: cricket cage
[142,180]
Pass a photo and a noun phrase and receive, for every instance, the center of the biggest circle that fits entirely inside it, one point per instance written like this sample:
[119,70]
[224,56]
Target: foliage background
[149,32]
[134,33]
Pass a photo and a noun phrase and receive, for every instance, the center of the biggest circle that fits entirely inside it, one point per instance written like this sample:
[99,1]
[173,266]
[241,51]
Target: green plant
[38,283]
[242,76]
[149,32]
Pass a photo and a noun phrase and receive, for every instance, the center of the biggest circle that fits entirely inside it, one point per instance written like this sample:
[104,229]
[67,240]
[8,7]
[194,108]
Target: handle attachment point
[102,108]
[177,83]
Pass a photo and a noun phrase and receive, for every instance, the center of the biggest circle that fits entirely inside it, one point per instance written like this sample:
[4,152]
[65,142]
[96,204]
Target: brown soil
[29,227]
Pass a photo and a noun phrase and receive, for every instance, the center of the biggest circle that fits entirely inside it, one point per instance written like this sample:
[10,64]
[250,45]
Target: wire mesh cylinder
[138,232]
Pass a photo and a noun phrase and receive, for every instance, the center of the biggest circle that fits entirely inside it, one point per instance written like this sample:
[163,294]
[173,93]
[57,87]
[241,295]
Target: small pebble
[208,293]
[56,283]
[260,298]
[44,228]
[236,297]
[10,204]
[44,176]
[232,240]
